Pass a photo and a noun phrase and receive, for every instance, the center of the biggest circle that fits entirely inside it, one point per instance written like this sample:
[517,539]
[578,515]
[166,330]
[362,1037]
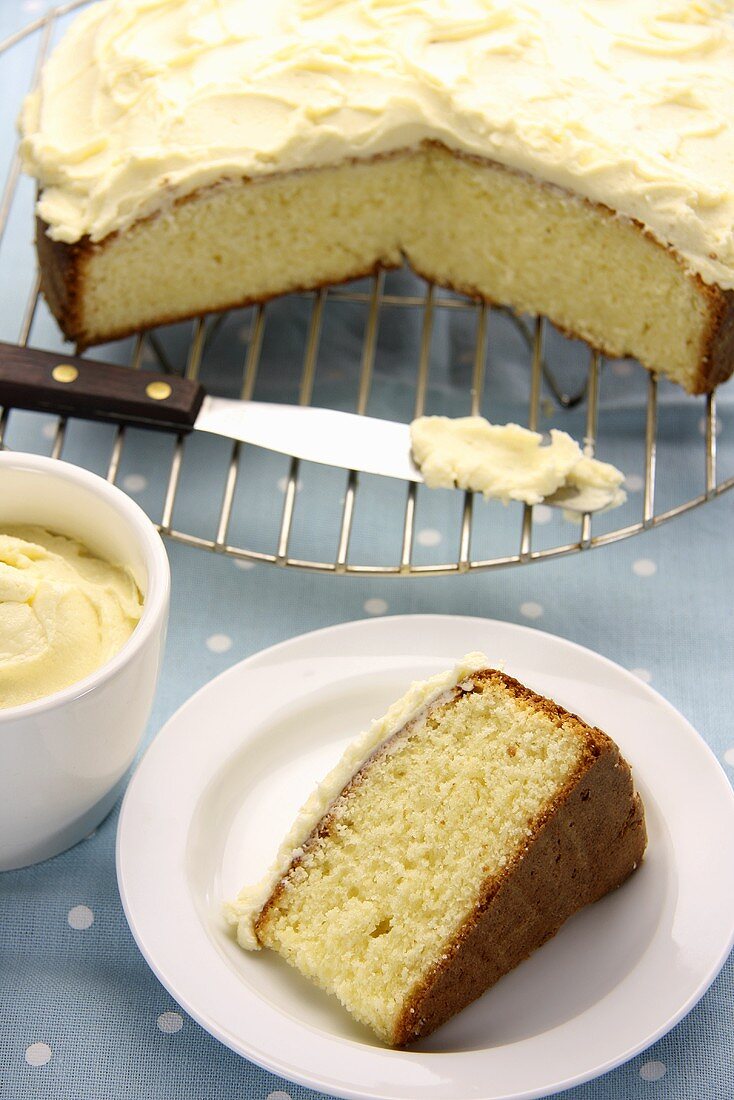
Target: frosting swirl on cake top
[629,103]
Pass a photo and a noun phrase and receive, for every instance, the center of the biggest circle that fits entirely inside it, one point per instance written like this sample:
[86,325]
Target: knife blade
[93,390]
[326,436]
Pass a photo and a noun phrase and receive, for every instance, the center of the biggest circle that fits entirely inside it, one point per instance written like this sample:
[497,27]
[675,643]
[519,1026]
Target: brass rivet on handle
[158,391]
[64,372]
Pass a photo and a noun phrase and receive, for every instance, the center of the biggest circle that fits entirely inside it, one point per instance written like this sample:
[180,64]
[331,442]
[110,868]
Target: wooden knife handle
[66,384]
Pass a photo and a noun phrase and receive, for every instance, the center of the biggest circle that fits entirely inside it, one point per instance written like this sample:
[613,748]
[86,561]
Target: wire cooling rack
[339,517]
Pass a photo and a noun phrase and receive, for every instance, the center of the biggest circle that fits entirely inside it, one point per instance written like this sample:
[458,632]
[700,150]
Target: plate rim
[273,1063]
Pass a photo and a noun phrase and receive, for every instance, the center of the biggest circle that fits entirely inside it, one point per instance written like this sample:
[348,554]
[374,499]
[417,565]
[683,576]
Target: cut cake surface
[466,224]
[458,846]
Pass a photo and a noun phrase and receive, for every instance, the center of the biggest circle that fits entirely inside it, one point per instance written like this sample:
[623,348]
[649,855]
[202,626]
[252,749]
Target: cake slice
[454,837]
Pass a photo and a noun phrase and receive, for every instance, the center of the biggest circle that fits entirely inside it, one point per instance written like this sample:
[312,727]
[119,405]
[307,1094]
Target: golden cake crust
[65,273]
[546,884]
[519,909]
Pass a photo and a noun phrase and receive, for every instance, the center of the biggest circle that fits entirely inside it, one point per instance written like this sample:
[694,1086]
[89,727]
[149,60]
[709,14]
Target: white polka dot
[542,514]
[634,483]
[729,757]
[531,610]
[429,536]
[243,563]
[80,917]
[644,567]
[642,674]
[283,484]
[717,425]
[652,1071]
[219,643]
[48,431]
[37,1054]
[135,483]
[278,1096]
[375,606]
[622,368]
[170,1022]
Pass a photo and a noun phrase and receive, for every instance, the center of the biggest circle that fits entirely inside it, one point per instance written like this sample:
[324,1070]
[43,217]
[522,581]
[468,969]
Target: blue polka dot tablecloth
[81,1015]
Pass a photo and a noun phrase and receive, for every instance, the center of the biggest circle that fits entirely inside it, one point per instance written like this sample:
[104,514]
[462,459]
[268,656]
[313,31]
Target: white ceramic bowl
[64,758]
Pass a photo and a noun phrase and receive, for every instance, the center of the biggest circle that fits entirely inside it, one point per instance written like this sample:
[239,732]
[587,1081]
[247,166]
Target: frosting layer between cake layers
[629,103]
[246,908]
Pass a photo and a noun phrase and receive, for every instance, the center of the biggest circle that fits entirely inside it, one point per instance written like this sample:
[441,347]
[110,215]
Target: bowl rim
[156,564]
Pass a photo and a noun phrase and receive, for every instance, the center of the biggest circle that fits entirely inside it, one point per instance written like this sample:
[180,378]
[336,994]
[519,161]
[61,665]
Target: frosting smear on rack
[507,462]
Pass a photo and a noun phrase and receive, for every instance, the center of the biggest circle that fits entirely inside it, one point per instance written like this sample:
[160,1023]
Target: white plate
[220,784]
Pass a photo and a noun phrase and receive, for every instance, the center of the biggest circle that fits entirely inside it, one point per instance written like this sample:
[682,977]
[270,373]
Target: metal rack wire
[373,301]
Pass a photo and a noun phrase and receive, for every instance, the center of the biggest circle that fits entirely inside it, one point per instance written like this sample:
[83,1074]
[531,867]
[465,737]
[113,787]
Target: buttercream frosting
[246,908]
[507,462]
[629,103]
[63,613]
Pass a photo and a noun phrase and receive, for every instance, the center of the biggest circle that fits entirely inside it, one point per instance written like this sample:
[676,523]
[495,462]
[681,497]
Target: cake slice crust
[409,907]
[583,847]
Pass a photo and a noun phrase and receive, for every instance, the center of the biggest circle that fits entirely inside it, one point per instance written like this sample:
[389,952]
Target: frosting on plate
[625,102]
